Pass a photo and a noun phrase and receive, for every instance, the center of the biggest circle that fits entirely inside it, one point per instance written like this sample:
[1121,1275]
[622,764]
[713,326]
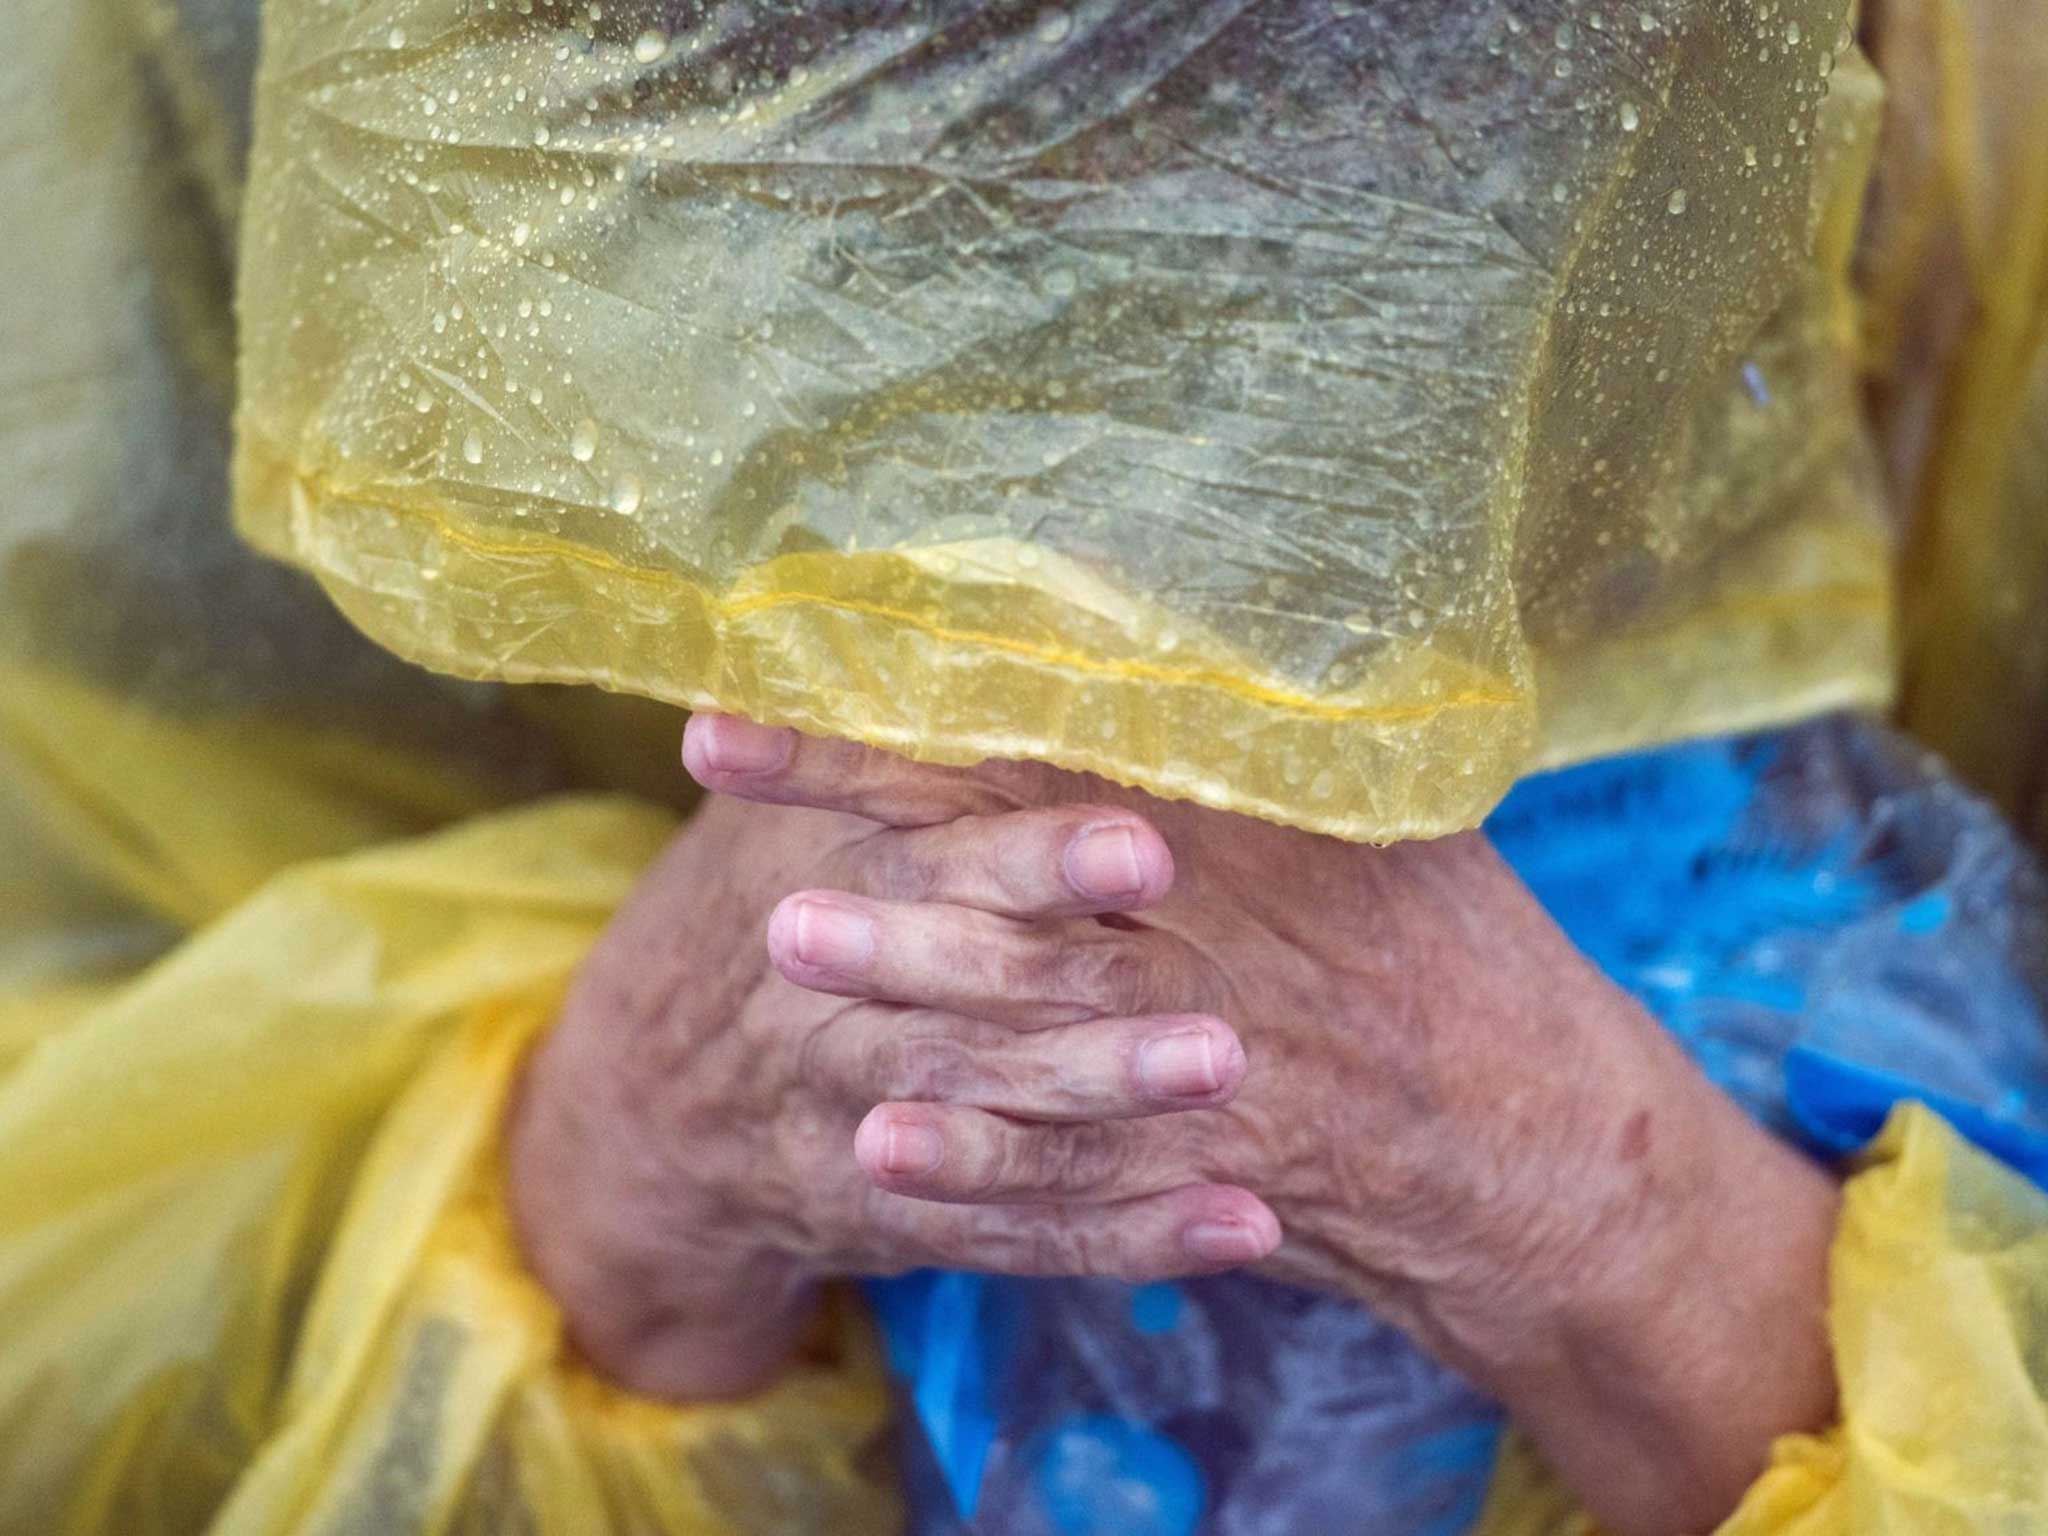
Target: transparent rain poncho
[1325,411]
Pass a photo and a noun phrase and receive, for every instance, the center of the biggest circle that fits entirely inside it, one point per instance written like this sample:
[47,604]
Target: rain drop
[1631,119]
[1675,204]
[583,441]
[473,448]
[650,46]
[1054,27]
[396,38]
[626,494]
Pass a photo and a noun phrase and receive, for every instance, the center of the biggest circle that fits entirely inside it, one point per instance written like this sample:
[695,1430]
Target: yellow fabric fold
[255,1277]
[1955,269]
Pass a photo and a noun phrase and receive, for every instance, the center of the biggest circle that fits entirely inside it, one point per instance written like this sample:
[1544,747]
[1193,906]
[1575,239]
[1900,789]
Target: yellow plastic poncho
[1956,269]
[257,1018]
[278,913]
[1323,411]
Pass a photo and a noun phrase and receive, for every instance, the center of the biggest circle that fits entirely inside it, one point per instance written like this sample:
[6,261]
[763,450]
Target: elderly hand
[1454,1117]
[681,1152]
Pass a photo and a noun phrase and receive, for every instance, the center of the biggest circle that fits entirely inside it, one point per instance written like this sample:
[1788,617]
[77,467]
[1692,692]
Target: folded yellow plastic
[255,1277]
[1326,411]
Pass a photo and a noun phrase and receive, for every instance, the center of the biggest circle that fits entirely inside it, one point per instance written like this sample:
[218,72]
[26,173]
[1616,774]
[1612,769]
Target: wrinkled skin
[1395,1080]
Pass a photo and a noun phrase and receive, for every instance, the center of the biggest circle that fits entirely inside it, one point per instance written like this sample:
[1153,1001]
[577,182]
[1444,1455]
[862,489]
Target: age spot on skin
[1635,1136]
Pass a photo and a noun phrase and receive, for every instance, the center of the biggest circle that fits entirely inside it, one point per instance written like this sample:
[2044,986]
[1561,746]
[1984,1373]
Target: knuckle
[1109,973]
[1025,966]
[1068,1244]
[896,868]
[1068,1160]
[935,1068]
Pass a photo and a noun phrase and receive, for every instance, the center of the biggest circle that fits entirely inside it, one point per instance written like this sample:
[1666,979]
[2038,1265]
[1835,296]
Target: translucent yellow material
[1939,1315]
[1957,276]
[253,1276]
[1303,407]
[179,717]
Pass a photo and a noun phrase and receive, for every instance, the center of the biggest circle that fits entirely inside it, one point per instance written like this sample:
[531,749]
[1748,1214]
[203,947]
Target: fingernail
[740,746]
[911,1149]
[832,936]
[1179,1066]
[1223,1242]
[1105,863]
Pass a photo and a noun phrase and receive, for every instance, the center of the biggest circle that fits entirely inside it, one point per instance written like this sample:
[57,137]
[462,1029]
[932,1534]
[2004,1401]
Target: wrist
[1688,1329]
[680,1314]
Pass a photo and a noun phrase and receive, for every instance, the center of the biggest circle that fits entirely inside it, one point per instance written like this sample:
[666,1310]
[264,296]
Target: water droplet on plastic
[395,38]
[1675,204]
[650,46]
[626,494]
[473,448]
[1054,26]
[583,441]
[1792,34]
[521,233]
[1631,119]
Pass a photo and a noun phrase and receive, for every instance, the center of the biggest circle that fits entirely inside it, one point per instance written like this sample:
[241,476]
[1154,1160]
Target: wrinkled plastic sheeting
[1321,410]
[181,717]
[1955,271]
[255,1275]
